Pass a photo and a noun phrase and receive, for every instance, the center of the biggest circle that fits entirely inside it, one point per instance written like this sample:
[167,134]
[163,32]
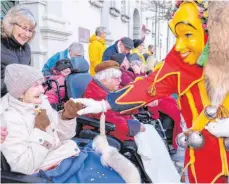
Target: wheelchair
[13,177]
[80,69]
[75,89]
[76,83]
[164,126]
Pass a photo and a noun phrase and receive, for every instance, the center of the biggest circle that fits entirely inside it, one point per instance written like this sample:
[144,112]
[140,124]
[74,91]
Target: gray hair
[151,62]
[16,15]
[150,47]
[100,30]
[76,48]
[108,74]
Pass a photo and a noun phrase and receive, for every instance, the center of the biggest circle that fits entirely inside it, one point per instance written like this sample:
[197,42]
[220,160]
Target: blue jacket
[52,61]
[113,49]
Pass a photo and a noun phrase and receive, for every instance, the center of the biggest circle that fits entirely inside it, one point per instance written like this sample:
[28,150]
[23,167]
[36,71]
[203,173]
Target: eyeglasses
[26,29]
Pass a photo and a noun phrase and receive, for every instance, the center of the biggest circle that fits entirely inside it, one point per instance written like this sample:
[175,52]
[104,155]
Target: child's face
[66,72]
[33,94]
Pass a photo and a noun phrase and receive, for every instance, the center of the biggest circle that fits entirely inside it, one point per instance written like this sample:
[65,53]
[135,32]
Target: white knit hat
[19,78]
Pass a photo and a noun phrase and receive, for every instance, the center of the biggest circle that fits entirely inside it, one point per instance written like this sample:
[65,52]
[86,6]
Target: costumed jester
[203,90]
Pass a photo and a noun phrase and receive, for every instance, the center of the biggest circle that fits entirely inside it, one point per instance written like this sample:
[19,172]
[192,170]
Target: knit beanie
[19,78]
[137,42]
[119,58]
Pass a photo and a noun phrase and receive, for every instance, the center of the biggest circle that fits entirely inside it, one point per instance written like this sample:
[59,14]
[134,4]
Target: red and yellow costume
[180,74]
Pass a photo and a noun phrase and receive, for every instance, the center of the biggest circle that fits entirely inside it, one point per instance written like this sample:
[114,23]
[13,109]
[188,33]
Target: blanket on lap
[85,168]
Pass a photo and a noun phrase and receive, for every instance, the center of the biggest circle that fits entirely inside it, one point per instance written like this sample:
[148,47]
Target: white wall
[59,21]
[164,37]
[79,14]
[117,28]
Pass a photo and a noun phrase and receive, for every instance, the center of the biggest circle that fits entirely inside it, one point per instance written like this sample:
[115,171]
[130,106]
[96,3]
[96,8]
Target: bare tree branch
[161,7]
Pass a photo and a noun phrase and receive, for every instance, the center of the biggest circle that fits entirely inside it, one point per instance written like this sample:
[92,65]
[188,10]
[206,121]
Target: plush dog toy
[112,158]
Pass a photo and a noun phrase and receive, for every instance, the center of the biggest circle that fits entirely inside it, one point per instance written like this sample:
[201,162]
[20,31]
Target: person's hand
[220,128]
[143,68]
[70,109]
[42,120]
[92,106]
[142,128]
[4,133]
[153,103]
[136,69]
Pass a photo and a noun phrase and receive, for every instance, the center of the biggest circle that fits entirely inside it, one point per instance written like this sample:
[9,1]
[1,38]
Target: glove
[42,120]
[136,69]
[92,106]
[220,128]
[70,109]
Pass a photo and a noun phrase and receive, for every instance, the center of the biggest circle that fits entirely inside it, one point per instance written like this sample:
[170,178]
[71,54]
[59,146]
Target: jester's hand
[92,106]
[220,128]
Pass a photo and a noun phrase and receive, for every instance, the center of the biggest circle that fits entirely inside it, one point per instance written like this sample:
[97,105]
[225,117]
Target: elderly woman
[38,138]
[18,29]
[107,79]
[151,148]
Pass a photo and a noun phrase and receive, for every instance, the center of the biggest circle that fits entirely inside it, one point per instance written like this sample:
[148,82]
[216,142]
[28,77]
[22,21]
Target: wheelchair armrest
[12,177]
[94,123]
[143,116]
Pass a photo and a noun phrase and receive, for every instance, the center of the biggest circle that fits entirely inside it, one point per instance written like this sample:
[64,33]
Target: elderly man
[159,166]
[74,50]
[124,45]
[96,48]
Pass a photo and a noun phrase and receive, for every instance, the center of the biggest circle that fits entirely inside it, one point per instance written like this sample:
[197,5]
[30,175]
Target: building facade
[61,22]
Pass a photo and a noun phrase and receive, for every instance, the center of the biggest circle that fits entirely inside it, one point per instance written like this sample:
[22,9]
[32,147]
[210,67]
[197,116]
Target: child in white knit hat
[39,138]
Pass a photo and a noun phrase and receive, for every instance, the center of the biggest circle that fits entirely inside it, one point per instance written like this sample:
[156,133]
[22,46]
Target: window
[113,3]
[6,5]
[97,3]
[123,7]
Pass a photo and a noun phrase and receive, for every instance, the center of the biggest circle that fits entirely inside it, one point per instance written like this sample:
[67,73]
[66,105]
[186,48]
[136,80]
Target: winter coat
[96,48]
[126,127]
[28,149]
[52,94]
[52,61]
[12,52]
[139,54]
[113,49]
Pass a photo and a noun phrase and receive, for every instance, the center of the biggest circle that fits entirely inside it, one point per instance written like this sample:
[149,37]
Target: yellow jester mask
[187,27]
